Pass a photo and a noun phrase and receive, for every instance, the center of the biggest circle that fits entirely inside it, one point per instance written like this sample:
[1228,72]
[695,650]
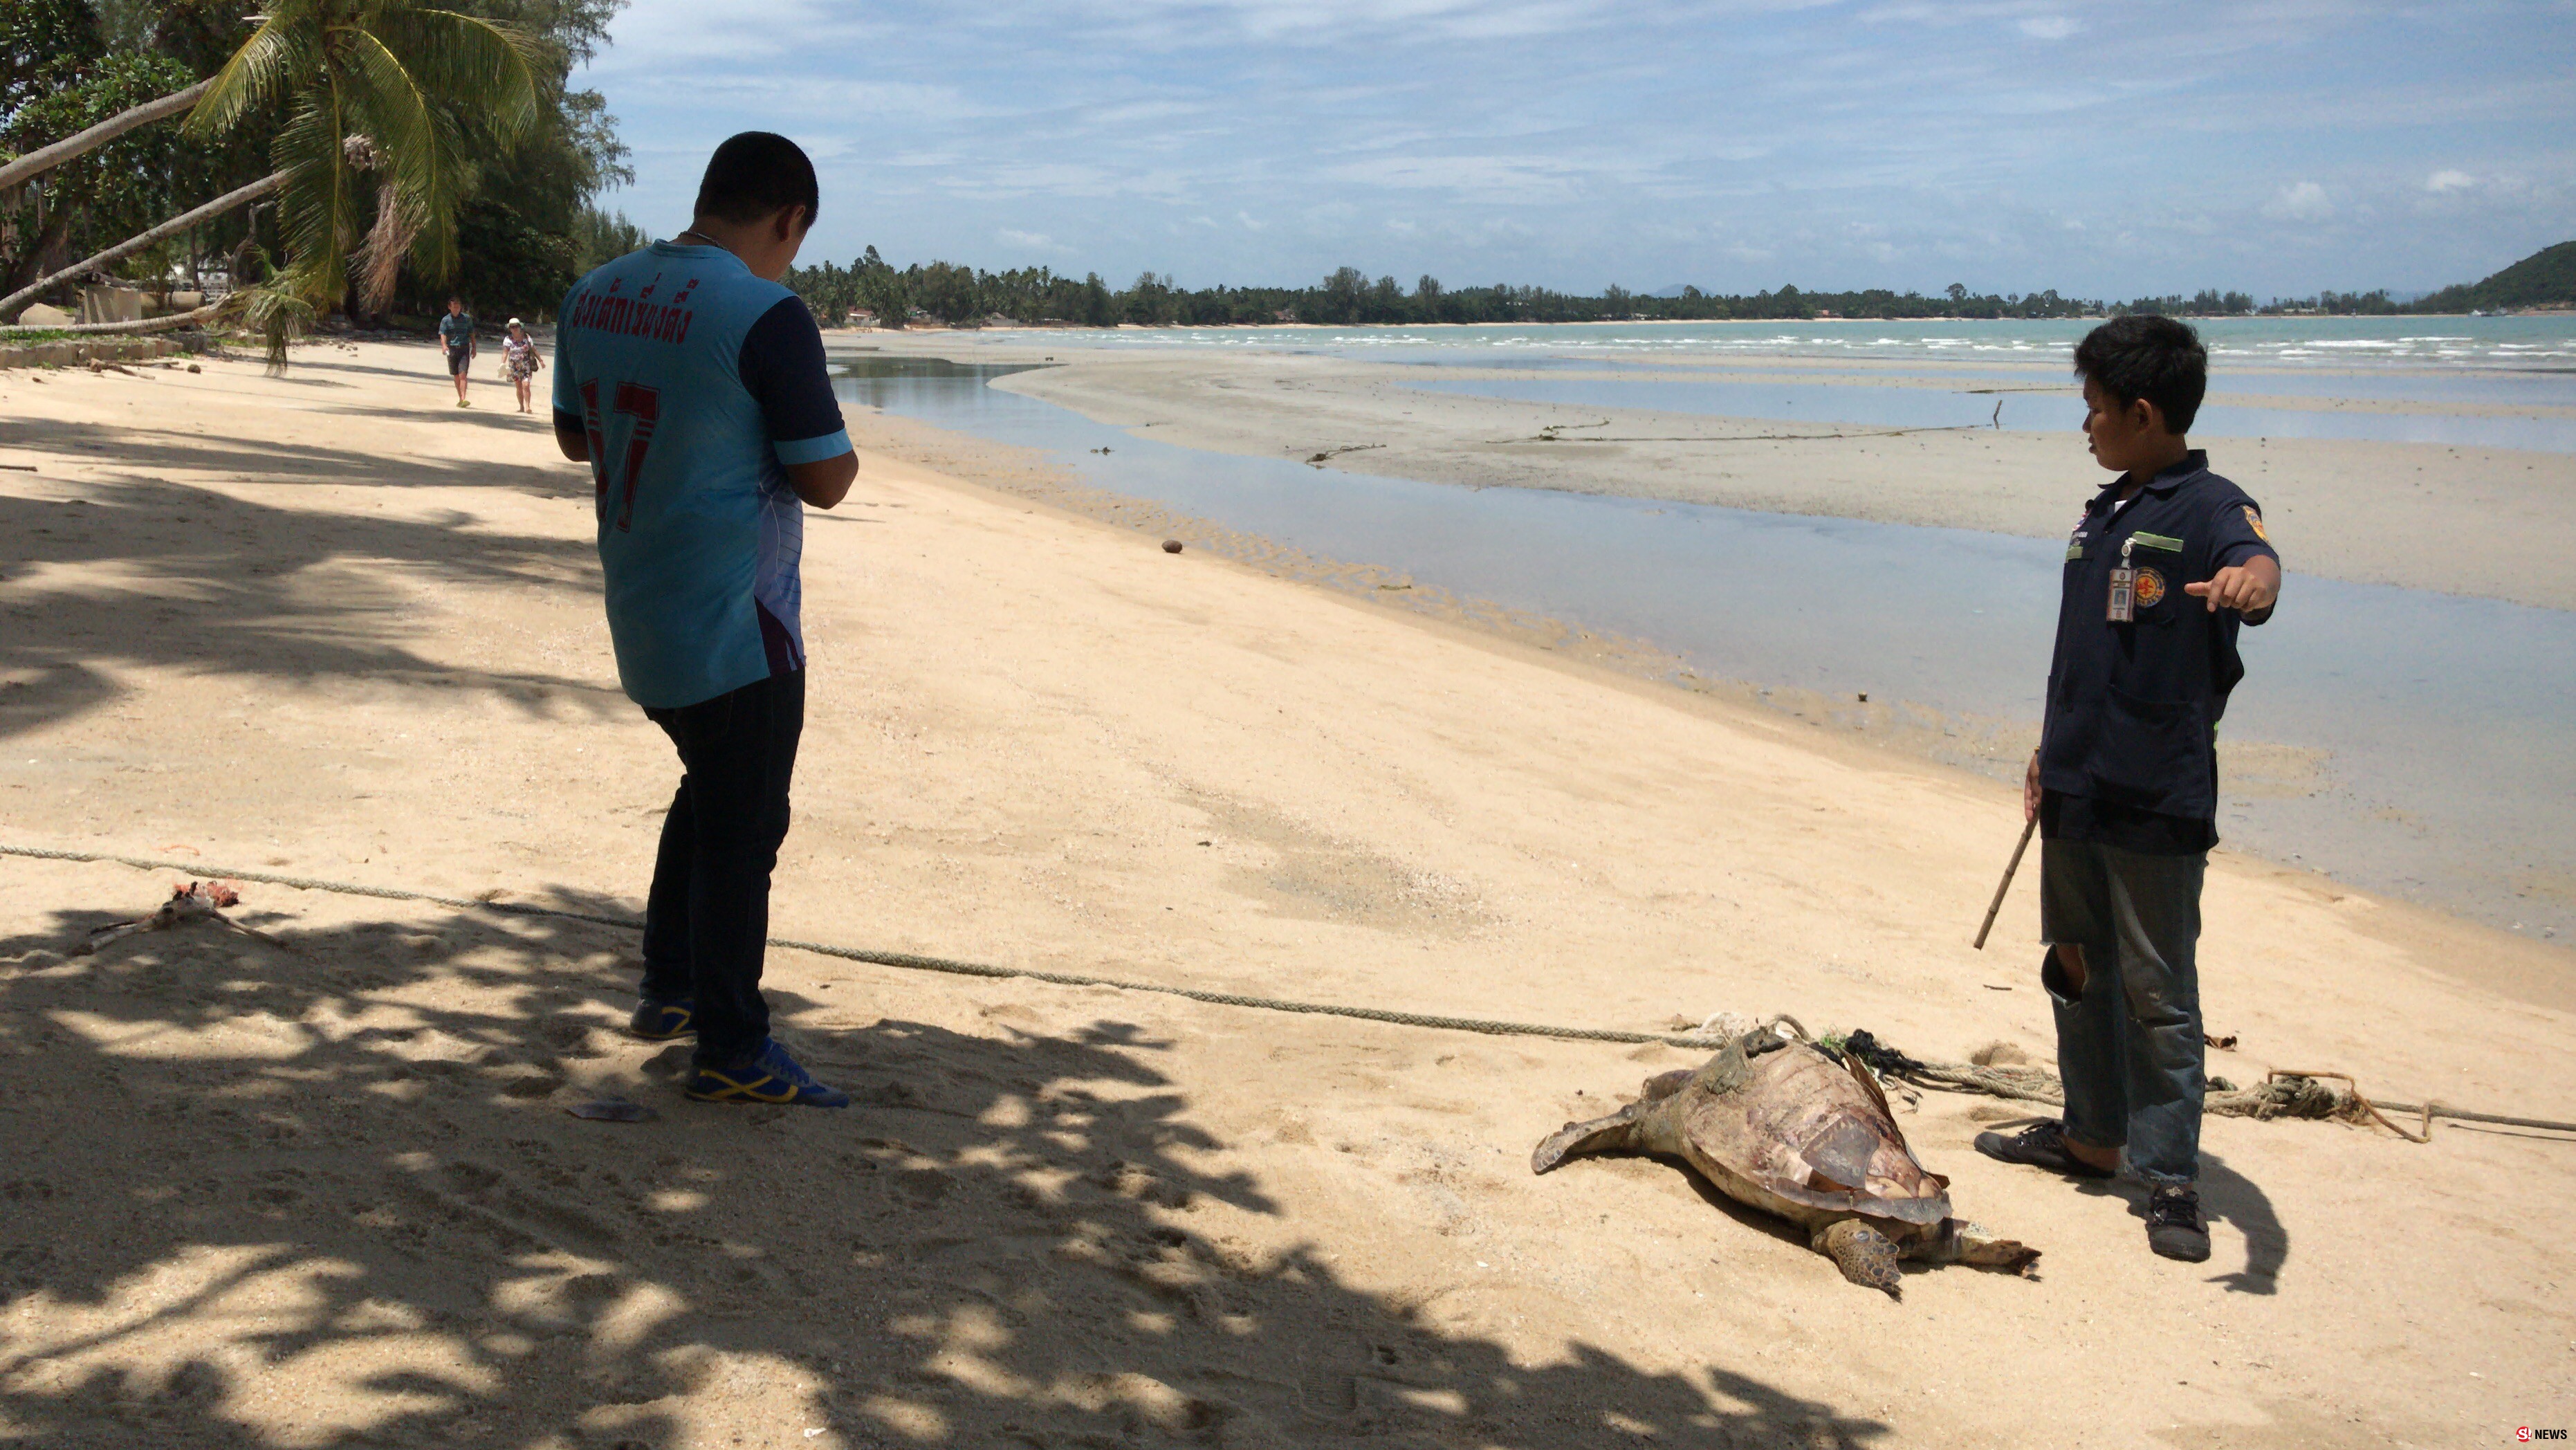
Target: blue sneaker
[770,1077]
[659,1019]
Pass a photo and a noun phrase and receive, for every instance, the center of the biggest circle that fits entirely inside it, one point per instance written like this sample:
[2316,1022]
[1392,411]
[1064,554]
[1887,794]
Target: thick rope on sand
[2283,1095]
[906,961]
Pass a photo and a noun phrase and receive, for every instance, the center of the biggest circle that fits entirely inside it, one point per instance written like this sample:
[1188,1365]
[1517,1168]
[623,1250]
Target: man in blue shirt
[694,385]
[456,340]
[2166,562]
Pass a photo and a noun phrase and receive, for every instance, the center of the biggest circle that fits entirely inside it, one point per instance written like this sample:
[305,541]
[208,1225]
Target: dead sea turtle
[1790,1129]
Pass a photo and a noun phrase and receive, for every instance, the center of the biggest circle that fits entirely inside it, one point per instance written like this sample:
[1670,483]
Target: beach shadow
[346,1167]
[213,584]
[139,451]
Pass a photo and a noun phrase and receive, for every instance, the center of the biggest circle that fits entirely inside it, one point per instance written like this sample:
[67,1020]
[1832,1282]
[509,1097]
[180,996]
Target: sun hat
[514,322]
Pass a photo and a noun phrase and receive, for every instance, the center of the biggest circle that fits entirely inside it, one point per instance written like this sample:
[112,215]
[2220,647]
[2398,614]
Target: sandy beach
[323,1189]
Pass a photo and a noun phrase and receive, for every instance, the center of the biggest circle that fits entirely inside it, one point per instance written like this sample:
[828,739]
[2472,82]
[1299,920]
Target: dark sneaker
[770,1077]
[658,1019]
[2041,1145]
[2174,1227]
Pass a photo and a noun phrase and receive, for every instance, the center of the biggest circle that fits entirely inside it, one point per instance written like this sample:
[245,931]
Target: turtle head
[1601,1135]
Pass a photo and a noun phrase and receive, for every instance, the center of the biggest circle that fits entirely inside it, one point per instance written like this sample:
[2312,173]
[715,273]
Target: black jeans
[706,925]
[2129,1049]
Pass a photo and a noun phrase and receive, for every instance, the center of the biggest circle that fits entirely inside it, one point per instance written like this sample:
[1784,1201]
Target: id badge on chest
[2124,588]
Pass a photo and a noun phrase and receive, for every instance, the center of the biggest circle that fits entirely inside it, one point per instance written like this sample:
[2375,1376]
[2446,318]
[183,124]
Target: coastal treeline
[872,289]
[2546,278]
[452,150]
[956,295]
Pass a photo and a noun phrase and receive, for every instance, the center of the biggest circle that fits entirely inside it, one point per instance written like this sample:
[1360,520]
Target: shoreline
[2255,768]
[1051,325]
[2482,522]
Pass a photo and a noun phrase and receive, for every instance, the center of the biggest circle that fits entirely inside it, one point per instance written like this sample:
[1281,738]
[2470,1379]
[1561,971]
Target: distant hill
[2544,278]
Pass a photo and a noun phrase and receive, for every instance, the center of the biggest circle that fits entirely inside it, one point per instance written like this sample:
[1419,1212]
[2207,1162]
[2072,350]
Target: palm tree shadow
[208,582]
[1011,1239]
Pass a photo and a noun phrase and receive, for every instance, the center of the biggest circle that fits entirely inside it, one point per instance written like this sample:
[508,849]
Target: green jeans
[2129,1047]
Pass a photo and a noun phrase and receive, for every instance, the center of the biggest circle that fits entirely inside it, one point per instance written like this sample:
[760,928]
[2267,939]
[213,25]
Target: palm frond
[417,196]
[471,62]
[277,54]
[318,213]
[435,252]
[378,259]
[278,310]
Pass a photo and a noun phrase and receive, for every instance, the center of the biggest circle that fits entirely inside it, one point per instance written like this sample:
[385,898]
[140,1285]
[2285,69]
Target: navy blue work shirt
[2128,749]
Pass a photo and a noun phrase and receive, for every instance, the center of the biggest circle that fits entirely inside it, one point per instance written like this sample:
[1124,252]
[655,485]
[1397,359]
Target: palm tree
[46,158]
[377,86]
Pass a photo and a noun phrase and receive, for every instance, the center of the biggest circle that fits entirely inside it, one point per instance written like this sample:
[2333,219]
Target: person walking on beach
[519,360]
[2165,564]
[694,386]
[456,336]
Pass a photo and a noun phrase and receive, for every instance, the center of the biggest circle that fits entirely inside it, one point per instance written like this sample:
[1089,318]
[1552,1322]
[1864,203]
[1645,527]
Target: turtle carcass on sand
[1790,1129]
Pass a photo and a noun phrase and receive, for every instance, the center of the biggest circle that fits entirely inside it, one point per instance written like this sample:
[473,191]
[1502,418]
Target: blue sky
[2103,149]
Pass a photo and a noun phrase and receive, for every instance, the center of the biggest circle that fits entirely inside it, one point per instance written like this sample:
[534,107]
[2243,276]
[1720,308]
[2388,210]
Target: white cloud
[1535,140]
[2303,201]
[1030,241]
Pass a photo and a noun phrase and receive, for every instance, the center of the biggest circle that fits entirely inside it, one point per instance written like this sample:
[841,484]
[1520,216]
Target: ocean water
[2441,722]
[2534,342]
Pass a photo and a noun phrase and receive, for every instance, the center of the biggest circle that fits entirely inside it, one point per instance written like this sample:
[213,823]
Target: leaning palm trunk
[197,317]
[46,158]
[16,302]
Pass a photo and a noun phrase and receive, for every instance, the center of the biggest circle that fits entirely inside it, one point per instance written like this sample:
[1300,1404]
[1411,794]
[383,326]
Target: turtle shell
[1811,1131]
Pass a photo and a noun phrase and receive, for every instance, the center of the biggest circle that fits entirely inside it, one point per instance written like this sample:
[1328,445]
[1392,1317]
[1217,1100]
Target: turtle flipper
[1601,1135]
[1961,1242]
[1865,1255]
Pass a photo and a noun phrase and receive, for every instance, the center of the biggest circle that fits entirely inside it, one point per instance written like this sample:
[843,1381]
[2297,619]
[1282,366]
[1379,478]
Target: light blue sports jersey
[695,381]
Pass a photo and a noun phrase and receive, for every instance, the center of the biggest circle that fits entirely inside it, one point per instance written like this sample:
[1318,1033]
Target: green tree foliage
[1032,296]
[385,102]
[523,235]
[59,75]
[497,200]
[599,238]
[2336,304]
[2546,278]
[2207,302]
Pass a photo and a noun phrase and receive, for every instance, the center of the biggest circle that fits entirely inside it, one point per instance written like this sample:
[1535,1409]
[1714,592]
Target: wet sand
[2495,523]
[332,626]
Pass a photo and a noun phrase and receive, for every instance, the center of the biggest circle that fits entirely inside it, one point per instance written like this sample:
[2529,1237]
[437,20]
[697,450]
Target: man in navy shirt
[2167,561]
[694,385]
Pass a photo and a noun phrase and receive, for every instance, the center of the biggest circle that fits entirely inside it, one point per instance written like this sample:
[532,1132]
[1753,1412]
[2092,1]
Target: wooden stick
[2005,885]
